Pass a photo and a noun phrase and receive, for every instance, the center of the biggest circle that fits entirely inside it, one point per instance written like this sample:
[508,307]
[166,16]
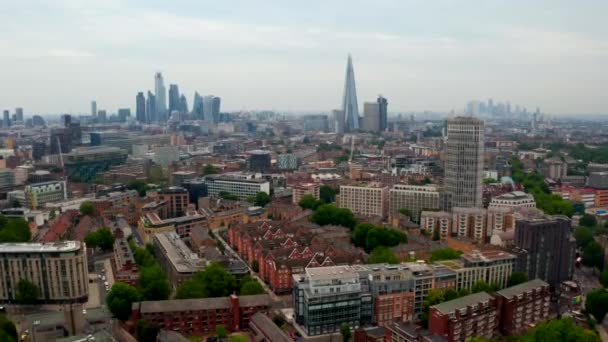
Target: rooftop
[463,302]
[198,304]
[39,247]
[522,288]
[180,256]
[332,272]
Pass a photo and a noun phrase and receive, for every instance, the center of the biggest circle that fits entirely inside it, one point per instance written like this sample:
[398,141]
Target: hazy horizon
[58,55]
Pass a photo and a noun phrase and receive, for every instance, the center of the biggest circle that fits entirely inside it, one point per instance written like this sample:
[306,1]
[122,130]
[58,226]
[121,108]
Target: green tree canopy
[261,199]
[102,238]
[120,299]
[588,221]
[87,208]
[563,330]
[345,332]
[238,338]
[8,330]
[213,281]
[370,236]
[327,194]
[482,286]
[444,254]
[250,286]
[153,283]
[517,278]
[209,170]
[140,186]
[221,331]
[330,214]
[597,303]
[146,331]
[583,236]
[27,292]
[228,196]
[593,255]
[383,254]
[309,201]
[255,265]
[14,230]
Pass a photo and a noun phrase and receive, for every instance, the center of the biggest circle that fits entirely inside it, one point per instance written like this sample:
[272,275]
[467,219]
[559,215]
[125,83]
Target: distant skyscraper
[349,99]
[19,114]
[183,104]
[161,97]
[215,110]
[140,107]
[197,106]
[371,117]
[173,98]
[338,121]
[102,116]
[464,161]
[93,108]
[383,109]
[6,122]
[151,108]
[123,114]
[208,107]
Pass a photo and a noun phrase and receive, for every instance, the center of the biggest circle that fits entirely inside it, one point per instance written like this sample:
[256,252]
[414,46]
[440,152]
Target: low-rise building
[150,224]
[515,199]
[241,186]
[124,266]
[299,190]
[177,260]
[39,194]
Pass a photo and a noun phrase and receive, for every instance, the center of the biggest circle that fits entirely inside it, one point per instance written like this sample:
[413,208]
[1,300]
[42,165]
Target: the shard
[349,100]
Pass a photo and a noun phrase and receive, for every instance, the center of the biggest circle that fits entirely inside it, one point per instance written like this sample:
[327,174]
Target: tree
[156,174]
[238,338]
[330,214]
[213,281]
[255,266]
[8,330]
[450,294]
[517,278]
[435,296]
[102,238]
[360,233]
[382,255]
[444,254]
[588,221]
[489,180]
[597,304]
[120,299]
[146,330]
[228,196]
[14,230]
[140,186]
[604,277]
[87,208]
[261,199]
[345,332]
[559,330]
[482,286]
[250,286]
[209,170]
[309,201]
[153,283]
[583,236]
[27,292]
[221,331]
[593,255]
[327,194]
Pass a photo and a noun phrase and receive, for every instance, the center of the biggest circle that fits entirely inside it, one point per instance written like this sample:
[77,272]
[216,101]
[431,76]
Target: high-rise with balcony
[464,161]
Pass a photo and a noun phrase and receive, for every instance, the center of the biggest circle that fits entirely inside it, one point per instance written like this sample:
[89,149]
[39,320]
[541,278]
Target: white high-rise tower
[349,100]
[160,93]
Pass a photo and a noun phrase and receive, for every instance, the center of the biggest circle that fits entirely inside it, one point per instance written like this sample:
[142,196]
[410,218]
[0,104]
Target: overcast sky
[58,55]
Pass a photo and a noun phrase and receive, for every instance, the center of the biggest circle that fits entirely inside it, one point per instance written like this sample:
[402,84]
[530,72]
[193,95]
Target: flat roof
[39,247]
[180,256]
[522,288]
[197,304]
[463,302]
[331,272]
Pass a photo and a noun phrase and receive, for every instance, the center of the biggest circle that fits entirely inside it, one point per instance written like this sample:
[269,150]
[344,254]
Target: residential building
[300,190]
[546,248]
[326,297]
[242,187]
[414,198]
[555,168]
[523,306]
[124,266]
[258,161]
[490,266]
[366,199]
[464,161]
[465,317]
[441,220]
[177,260]
[515,199]
[177,200]
[287,161]
[58,269]
[200,316]
[37,195]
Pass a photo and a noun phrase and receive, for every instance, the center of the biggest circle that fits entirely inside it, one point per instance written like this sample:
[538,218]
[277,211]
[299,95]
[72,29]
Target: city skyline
[248,53]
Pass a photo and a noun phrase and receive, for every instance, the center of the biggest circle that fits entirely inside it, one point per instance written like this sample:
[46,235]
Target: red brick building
[523,306]
[201,316]
[465,317]
[284,248]
[124,267]
[177,200]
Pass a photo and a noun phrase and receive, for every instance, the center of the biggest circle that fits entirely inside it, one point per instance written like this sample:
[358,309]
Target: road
[235,255]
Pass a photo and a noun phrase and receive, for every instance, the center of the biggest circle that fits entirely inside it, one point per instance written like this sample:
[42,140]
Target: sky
[58,55]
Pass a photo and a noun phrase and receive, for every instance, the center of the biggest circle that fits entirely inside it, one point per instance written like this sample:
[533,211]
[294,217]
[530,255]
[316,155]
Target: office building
[61,140]
[414,198]
[7,180]
[176,199]
[464,161]
[338,119]
[546,248]
[365,200]
[183,104]
[161,97]
[19,115]
[6,122]
[259,161]
[349,99]
[315,123]
[173,98]
[197,106]
[93,108]
[465,317]
[287,161]
[151,108]
[238,186]
[490,266]
[200,316]
[166,155]
[196,189]
[300,190]
[37,195]
[140,107]
[102,115]
[58,269]
[208,108]
[326,297]
[371,117]
[383,110]
[177,260]
[85,163]
[124,114]
[515,199]
[523,306]
[215,109]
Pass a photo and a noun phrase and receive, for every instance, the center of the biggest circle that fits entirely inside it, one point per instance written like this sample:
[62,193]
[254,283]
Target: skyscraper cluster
[154,108]
[347,118]
[490,108]
[8,120]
